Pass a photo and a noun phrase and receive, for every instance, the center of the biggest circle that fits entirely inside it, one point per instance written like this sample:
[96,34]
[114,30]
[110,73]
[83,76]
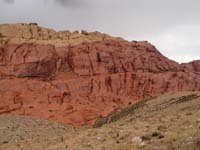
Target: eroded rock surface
[74,78]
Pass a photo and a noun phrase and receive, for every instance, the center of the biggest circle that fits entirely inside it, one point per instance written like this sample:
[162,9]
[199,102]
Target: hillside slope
[167,122]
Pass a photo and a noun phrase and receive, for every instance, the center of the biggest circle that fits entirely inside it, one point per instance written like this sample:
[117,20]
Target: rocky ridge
[75,78]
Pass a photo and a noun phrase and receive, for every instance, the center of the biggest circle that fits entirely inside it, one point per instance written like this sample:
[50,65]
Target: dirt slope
[167,122]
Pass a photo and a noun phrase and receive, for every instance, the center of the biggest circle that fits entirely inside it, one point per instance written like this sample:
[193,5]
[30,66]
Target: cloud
[180,43]
[9,1]
[69,2]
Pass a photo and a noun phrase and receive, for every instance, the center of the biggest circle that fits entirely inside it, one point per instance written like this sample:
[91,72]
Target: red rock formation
[76,77]
[193,66]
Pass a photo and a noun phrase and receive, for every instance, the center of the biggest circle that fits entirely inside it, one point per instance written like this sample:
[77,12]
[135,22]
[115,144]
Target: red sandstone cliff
[76,77]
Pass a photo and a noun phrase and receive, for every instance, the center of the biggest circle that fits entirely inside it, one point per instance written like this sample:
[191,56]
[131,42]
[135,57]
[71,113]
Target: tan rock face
[77,82]
[32,33]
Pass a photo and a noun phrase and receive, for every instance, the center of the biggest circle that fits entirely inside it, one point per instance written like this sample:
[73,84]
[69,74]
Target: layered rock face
[74,78]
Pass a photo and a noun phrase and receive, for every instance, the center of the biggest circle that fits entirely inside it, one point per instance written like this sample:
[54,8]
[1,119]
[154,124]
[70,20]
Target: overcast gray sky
[172,25]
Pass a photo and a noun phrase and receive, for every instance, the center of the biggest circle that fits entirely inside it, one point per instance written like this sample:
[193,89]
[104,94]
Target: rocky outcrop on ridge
[74,78]
[192,66]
